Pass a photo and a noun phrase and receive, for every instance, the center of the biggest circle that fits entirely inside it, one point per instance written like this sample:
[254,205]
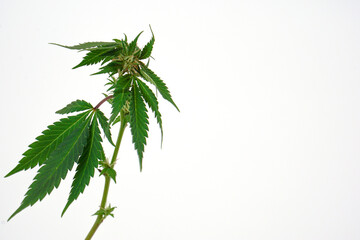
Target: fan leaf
[46,143]
[151,77]
[152,102]
[138,122]
[87,163]
[104,122]
[56,167]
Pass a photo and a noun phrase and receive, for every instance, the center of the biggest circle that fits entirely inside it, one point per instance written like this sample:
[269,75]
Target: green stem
[100,218]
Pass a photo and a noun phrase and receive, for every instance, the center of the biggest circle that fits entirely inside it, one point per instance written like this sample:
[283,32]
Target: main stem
[100,218]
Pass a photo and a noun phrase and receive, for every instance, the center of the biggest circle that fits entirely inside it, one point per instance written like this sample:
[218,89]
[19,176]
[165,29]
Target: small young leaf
[146,51]
[104,122]
[105,212]
[100,212]
[110,172]
[120,95]
[132,45]
[46,143]
[111,68]
[138,122]
[87,163]
[151,77]
[75,106]
[56,166]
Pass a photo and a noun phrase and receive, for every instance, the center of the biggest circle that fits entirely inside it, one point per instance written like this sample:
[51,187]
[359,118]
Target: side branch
[102,101]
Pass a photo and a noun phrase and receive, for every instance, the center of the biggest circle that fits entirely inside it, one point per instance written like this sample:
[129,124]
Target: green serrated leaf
[105,212]
[138,122]
[124,44]
[56,167]
[87,45]
[97,55]
[87,163]
[103,157]
[152,102]
[146,51]
[46,143]
[132,45]
[104,122]
[111,83]
[100,212]
[75,106]
[111,68]
[151,77]
[107,59]
[109,172]
[117,119]
[112,174]
[121,94]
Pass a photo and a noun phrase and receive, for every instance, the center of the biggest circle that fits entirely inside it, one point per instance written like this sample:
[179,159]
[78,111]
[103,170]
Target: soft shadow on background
[266,145]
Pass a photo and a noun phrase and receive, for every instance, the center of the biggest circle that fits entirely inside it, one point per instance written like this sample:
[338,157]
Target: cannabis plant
[77,138]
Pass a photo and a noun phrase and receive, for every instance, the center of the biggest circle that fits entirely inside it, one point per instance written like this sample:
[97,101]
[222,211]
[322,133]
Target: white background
[266,145]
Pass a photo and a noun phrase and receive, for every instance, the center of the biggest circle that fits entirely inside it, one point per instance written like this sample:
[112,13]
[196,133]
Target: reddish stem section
[102,101]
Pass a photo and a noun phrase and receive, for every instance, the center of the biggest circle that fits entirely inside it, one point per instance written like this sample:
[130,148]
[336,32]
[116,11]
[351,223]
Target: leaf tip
[8,175]
[172,102]
[151,31]
[141,167]
[22,207]
[10,217]
[12,172]
[65,208]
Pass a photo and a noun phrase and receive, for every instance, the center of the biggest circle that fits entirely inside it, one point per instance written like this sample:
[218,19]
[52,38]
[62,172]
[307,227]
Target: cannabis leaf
[87,46]
[152,102]
[96,55]
[75,106]
[104,122]
[103,213]
[110,172]
[41,149]
[138,122]
[121,94]
[132,46]
[146,51]
[55,168]
[150,76]
[111,68]
[87,163]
